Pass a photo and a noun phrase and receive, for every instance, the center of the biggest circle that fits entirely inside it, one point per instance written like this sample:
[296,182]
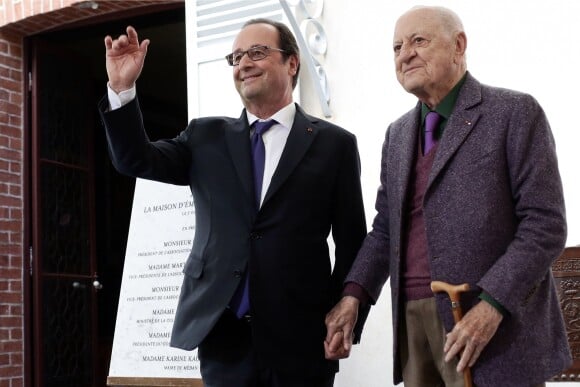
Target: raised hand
[124,59]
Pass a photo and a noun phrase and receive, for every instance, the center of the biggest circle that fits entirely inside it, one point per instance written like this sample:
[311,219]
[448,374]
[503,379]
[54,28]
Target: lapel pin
[309,130]
[468,122]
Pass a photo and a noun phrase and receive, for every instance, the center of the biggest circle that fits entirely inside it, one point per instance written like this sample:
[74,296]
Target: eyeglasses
[254,53]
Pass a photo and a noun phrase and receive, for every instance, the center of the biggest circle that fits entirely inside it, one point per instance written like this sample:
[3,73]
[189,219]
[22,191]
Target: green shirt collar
[445,108]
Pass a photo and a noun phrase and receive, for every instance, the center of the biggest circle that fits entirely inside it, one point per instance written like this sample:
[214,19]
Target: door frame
[32,344]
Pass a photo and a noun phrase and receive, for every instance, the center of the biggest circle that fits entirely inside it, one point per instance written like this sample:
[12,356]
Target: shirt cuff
[118,100]
[355,290]
[493,302]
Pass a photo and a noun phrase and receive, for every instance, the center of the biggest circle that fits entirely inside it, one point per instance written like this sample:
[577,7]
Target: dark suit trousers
[227,359]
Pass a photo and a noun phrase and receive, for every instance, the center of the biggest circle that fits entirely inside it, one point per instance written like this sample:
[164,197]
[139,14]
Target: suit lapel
[406,143]
[301,136]
[460,124]
[238,142]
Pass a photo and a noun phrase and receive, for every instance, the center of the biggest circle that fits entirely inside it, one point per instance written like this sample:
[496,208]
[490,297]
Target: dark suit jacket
[494,215]
[315,190]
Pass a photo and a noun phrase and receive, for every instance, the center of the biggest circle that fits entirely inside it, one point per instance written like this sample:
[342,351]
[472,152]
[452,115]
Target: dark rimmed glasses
[254,53]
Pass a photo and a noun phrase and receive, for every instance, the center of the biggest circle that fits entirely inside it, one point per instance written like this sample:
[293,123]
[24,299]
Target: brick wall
[11,213]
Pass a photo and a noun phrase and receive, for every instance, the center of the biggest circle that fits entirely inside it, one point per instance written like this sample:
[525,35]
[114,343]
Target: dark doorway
[81,206]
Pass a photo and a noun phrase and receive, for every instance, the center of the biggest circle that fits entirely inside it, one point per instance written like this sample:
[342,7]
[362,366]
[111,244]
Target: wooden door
[64,272]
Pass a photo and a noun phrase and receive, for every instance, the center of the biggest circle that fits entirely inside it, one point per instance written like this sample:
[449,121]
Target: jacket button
[237,273]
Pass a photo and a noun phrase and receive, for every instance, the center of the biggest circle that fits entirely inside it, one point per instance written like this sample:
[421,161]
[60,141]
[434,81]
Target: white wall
[525,45]
[528,45]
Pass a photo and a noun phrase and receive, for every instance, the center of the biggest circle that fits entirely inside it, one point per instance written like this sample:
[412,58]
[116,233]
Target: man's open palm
[124,59]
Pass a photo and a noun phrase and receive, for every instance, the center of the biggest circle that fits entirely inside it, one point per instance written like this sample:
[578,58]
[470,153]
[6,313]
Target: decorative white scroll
[312,41]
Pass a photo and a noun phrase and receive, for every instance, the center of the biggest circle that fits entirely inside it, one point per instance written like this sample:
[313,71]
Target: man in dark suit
[482,206]
[270,239]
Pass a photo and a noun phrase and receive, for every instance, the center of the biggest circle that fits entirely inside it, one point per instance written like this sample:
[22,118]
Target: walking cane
[453,291]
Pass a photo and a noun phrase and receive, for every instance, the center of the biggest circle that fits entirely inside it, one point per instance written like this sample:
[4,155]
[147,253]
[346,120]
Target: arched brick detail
[27,17]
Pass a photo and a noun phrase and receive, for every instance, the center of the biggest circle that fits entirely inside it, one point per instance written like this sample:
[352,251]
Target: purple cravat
[431,124]
[241,299]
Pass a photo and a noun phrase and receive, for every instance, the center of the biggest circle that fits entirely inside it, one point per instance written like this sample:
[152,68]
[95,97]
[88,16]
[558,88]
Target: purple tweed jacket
[494,214]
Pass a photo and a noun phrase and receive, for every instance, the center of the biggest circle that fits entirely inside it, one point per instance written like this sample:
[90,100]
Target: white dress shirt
[274,141]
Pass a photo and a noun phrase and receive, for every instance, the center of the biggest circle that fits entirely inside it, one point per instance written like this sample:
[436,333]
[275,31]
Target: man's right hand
[124,59]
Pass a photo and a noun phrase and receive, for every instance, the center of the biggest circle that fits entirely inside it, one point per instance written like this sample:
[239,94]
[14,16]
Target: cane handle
[453,291]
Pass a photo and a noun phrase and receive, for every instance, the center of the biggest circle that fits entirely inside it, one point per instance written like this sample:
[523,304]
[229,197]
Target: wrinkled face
[426,58]
[267,81]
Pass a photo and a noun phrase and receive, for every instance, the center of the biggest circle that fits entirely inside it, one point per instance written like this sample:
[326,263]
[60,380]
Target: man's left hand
[340,322]
[472,334]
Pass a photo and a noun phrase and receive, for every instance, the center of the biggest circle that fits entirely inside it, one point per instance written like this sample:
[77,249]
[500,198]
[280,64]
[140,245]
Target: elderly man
[470,193]
[268,188]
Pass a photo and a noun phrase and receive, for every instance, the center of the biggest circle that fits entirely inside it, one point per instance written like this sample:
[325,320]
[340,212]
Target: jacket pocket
[530,294]
[194,267]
